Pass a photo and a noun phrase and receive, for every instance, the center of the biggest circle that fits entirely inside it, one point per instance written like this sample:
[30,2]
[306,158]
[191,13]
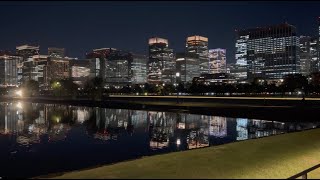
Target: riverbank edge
[252,109]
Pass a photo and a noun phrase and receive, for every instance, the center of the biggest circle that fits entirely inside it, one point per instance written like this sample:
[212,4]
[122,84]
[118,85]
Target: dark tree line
[95,89]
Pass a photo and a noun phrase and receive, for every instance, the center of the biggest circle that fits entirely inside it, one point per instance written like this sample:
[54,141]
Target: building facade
[118,68]
[81,71]
[139,69]
[57,69]
[305,55]
[217,61]
[9,68]
[241,56]
[27,52]
[270,52]
[112,65]
[161,63]
[187,64]
[199,45]
[38,70]
[314,53]
[237,71]
[98,60]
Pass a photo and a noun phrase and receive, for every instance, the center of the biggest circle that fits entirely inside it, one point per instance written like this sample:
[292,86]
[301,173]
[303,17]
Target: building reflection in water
[65,137]
[161,128]
[242,129]
[28,122]
[218,126]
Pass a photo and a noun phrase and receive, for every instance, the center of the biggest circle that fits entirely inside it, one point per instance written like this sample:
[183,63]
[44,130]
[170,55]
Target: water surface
[38,139]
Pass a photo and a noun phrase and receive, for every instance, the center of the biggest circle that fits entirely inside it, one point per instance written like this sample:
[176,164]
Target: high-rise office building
[27,52]
[271,52]
[139,69]
[118,68]
[305,55]
[56,52]
[114,65]
[9,66]
[161,63]
[241,64]
[217,61]
[237,71]
[199,45]
[57,69]
[314,53]
[81,70]
[187,64]
[98,59]
[39,65]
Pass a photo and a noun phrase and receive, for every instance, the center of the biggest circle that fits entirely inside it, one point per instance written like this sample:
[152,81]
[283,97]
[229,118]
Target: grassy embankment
[272,157]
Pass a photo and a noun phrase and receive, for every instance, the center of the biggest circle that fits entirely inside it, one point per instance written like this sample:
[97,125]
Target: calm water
[37,139]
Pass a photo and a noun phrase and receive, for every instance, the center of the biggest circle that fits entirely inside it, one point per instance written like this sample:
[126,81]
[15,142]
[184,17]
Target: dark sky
[82,26]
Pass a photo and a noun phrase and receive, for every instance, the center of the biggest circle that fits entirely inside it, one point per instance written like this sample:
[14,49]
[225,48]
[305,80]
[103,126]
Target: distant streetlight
[177,76]
[178,142]
[59,86]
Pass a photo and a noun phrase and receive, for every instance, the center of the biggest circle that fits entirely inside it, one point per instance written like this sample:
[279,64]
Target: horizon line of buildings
[115,67]
[267,53]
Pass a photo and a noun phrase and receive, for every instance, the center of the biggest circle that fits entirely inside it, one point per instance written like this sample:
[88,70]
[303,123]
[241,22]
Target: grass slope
[272,157]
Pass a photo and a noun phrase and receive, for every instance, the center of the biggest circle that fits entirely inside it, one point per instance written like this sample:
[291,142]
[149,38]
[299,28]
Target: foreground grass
[273,157]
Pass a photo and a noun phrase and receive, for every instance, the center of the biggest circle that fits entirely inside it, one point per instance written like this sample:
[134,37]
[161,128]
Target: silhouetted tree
[137,89]
[292,82]
[30,87]
[94,88]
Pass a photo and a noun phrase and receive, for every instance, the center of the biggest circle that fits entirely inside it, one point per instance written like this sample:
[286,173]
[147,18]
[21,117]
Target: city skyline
[106,24]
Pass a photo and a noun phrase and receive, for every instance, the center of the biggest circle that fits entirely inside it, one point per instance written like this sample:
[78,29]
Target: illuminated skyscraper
[241,57]
[98,59]
[199,45]
[80,71]
[9,67]
[237,71]
[27,52]
[270,52]
[139,69]
[305,55]
[217,61]
[314,53]
[161,63]
[114,65]
[57,69]
[118,68]
[39,63]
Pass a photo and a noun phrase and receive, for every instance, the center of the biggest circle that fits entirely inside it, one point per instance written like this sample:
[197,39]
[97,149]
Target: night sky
[82,26]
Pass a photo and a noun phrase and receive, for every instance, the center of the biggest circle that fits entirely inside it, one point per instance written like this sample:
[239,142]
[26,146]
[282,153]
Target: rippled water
[37,139]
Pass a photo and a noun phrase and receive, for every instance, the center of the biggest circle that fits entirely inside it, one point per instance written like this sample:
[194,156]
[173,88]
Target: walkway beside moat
[278,156]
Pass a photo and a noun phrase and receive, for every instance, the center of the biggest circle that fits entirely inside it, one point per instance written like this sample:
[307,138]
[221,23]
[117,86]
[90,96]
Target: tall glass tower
[199,45]
[161,63]
[270,52]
